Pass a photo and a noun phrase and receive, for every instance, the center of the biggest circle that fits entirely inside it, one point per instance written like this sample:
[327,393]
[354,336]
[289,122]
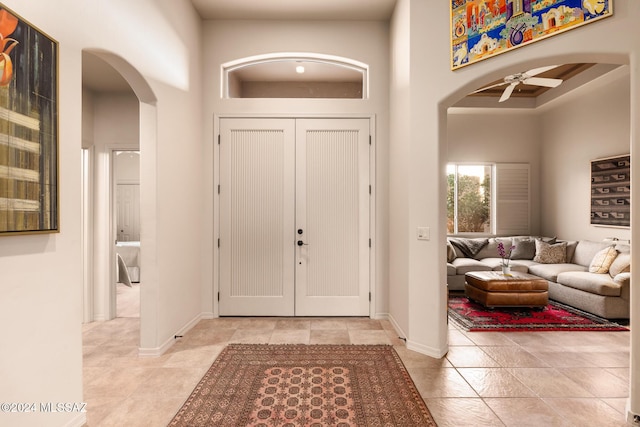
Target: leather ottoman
[494,289]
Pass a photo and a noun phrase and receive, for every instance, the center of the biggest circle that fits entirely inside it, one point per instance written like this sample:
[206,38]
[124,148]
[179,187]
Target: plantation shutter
[512,199]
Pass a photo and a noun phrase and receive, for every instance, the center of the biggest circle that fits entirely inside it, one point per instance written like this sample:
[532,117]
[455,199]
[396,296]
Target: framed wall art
[611,191]
[481,29]
[28,128]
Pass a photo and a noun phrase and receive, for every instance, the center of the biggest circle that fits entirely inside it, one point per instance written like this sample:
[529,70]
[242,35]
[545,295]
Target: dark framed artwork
[481,29]
[28,128]
[611,191]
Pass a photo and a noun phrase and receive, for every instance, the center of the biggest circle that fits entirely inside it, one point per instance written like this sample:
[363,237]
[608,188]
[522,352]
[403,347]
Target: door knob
[301,243]
[300,231]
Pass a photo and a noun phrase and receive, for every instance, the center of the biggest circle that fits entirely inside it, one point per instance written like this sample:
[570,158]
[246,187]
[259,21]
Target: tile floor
[486,379]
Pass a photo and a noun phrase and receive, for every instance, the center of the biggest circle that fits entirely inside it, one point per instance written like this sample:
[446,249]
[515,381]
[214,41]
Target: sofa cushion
[551,271]
[602,260]
[525,248]
[451,252]
[465,265]
[467,247]
[490,250]
[622,264]
[550,254]
[451,269]
[571,249]
[496,264]
[586,250]
[599,284]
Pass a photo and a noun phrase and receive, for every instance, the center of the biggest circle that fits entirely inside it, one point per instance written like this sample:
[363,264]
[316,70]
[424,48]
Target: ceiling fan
[527,78]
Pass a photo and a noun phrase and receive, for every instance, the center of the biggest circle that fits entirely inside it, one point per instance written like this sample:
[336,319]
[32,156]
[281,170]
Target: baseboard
[159,351]
[397,327]
[380,316]
[426,350]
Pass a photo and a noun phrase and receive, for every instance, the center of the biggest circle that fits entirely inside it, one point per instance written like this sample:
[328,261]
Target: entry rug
[305,385]
[472,316]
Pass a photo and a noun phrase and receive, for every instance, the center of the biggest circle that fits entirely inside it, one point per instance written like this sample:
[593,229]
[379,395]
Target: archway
[99,232]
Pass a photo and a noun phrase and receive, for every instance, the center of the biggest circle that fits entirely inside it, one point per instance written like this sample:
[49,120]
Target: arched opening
[295,75]
[118,117]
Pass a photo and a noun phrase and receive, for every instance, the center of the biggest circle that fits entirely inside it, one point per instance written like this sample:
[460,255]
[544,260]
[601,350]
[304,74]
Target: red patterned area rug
[305,385]
[472,316]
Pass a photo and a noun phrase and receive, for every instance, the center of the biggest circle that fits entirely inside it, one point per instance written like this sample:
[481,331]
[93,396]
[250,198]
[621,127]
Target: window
[469,198]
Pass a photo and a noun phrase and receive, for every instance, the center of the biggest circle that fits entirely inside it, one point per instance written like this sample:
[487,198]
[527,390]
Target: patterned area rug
[472,316]
[305,385]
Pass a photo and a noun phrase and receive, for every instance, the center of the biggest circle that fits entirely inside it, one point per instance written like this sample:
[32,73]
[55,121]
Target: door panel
[286,182]
[332,209]
[257,228]
[128,212]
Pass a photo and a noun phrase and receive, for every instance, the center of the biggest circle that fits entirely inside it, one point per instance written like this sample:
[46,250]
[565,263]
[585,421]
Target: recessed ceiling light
[299,69]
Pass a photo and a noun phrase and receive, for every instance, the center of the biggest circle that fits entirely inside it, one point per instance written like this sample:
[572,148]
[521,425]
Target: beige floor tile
[525,412]
[143,412]
[413,359]
[598,381]
[587,412]
[489,338]
[470,357]
[199,357]
[458,338]
[442,382]
[363,324]
[549,382]
[321,336]
[359,336]
[256,323]
[169,383]
[116,382]
[251,336]
[449,412]
[562,359]
[609,359]
[290,336]
[514,356]
[293,324]
[618,403]
[331,324]
[495,382]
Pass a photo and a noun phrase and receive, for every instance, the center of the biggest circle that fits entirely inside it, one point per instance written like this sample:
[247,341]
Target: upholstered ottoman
[494,289]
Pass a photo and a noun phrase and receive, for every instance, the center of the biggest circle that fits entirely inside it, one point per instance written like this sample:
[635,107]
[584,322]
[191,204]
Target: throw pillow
[550,254]
[524,248]
[622,264]
[602,260]
[451,252]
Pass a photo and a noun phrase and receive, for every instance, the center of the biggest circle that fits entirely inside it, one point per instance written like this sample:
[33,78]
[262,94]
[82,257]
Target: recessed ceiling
[562,72]
[345,10]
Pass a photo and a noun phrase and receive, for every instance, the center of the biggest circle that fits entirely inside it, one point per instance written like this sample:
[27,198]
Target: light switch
[424,233]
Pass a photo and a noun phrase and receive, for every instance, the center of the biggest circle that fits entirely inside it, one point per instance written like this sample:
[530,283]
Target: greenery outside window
[469,198]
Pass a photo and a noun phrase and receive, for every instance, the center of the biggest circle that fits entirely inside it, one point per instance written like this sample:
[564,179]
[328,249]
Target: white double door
[294,217]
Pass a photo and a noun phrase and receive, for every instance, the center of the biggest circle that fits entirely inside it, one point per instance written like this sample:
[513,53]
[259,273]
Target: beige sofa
[605,294]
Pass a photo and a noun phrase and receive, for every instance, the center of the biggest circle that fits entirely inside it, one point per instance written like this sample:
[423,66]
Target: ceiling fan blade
[542,81]
[489,87]
[508,91]
[536,71]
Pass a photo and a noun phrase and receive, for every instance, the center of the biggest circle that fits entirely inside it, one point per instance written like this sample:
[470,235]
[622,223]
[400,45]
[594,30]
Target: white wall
[434,88]
[367,42]
[588,124]
[41,360]
[498,136]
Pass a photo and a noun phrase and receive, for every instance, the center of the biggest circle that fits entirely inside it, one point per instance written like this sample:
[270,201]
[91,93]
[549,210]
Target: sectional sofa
[591,276]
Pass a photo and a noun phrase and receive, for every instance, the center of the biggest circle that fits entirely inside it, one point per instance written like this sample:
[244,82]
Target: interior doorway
[126,182]
[294,217]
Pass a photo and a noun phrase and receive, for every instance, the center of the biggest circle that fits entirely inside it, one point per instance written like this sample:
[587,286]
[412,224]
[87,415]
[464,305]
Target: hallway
[486,379]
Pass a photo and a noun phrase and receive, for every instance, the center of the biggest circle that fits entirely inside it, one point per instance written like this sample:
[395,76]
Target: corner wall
[590,123]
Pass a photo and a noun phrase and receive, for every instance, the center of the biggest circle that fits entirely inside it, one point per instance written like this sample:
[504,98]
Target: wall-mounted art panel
[28,127]
[611,191]
[481,29]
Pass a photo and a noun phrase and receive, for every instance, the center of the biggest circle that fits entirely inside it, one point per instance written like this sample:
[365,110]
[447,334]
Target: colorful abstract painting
[28,127]
[611,191]
[481,29]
